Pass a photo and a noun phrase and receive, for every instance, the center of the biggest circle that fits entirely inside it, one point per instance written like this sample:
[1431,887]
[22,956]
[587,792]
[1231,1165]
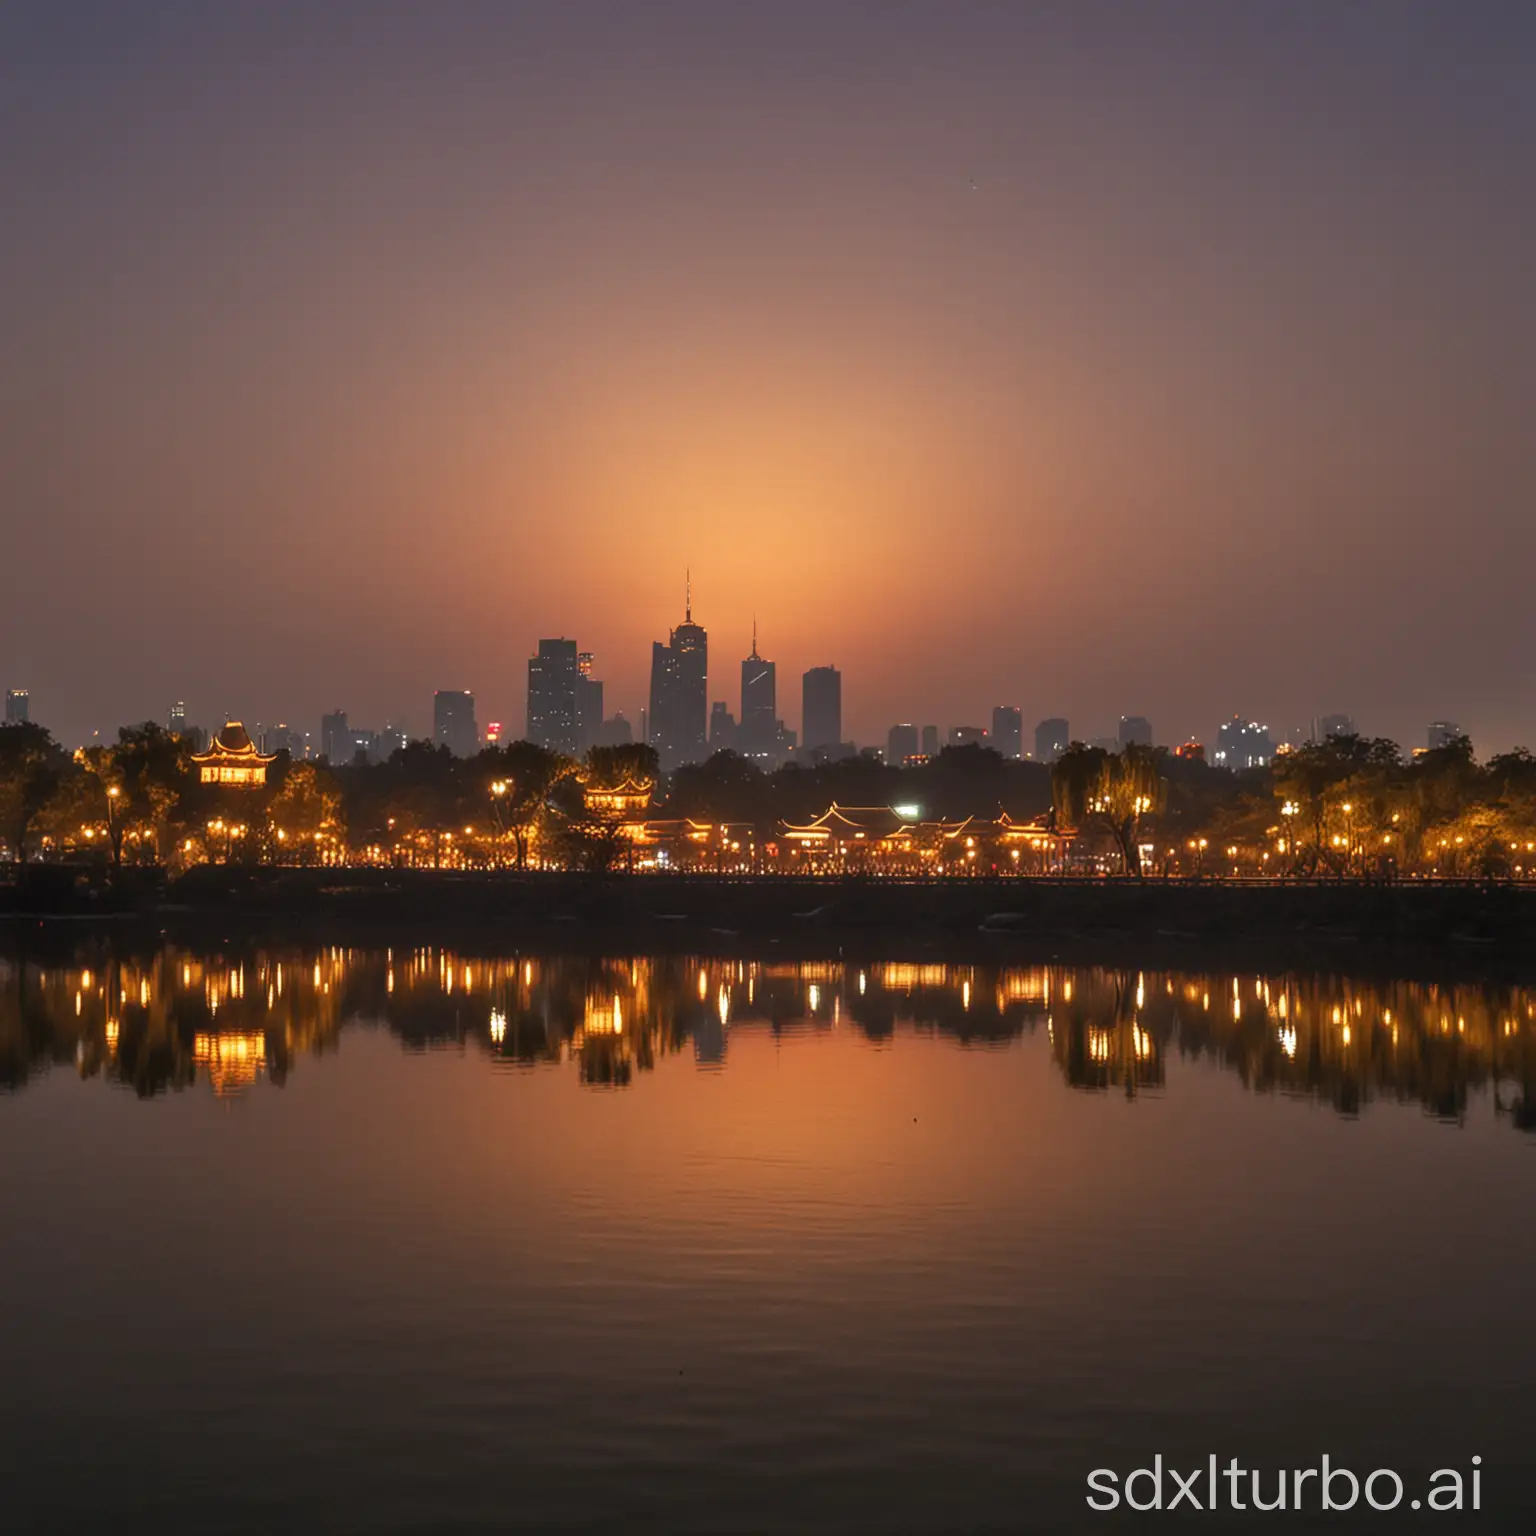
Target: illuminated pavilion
[629,800]
[891,838]
[232,759]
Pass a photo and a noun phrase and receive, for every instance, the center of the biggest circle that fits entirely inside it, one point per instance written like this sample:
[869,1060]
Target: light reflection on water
[565,1243]
[177,1018]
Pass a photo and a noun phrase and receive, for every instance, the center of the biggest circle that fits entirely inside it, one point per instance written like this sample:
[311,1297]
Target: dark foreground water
[333,1241]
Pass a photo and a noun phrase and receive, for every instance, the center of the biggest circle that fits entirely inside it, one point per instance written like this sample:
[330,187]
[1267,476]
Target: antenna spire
[688,598]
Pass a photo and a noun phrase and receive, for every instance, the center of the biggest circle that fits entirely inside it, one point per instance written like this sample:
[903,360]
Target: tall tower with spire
[759,703]
[679,712]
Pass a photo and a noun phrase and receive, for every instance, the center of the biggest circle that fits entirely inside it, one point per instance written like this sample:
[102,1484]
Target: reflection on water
[232,1021]
[564,1243]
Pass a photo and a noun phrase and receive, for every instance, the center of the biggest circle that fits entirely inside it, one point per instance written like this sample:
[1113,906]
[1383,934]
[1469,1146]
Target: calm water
[338,1241]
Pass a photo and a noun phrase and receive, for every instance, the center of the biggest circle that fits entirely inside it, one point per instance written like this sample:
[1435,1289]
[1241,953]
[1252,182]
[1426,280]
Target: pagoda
[232,759]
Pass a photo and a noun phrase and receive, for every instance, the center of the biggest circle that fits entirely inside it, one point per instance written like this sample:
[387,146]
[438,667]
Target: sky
[1175,360]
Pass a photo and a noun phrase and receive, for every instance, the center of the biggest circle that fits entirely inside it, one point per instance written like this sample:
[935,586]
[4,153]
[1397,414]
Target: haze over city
[1091,358]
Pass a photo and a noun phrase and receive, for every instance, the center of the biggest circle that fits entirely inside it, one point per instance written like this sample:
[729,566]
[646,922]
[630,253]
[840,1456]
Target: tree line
[1350,806]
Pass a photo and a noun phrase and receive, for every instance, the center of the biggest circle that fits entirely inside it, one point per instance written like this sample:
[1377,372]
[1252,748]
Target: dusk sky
[1175,359]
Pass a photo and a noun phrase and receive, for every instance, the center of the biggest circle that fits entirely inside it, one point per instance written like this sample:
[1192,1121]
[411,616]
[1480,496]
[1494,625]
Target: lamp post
[113,793]
[498,795]
[1289,811]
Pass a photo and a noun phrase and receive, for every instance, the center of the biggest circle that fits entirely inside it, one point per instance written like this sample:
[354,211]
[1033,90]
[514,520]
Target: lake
[323,1240]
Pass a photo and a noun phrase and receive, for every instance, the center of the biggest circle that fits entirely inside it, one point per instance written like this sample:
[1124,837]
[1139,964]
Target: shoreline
[1409,927]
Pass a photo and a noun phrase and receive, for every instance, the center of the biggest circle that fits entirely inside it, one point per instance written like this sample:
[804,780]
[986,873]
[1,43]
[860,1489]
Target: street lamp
[113,791]
[499,789]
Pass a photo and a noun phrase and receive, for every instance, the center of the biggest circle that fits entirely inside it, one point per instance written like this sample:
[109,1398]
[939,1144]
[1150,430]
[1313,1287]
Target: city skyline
[1175,361]
[562,707]
[575,718]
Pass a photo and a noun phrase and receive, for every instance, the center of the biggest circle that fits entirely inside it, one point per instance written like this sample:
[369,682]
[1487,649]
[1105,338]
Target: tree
[1315,782]
[1114,791]
[138,783]
[726,787]
[306,811]
[530,775]
[634,761]
[32,765]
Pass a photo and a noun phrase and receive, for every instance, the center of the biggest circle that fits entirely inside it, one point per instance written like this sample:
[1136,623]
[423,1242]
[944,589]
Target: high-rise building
[1332,726]
[613,732]
[821,709]
[392,739]
[1007,731]
[453,721]
[968,736]
[930,741]
[335,744]
[1135,730]
[1442,733]
[589,703]
[759,700]
[722,727]
[1244,744]
[1052,738]
[176,720]
[554,703]
[760,734]
[18,706]
[363,746]
[275,739]
[679,713]
[900,744]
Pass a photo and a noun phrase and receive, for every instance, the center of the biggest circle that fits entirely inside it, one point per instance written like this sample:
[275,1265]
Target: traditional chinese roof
[628,787]
[1041,826]
[868,821]
[232,742]
[631,791]
[885,825]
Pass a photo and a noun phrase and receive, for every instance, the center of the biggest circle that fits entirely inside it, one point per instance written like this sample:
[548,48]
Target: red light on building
[493,733]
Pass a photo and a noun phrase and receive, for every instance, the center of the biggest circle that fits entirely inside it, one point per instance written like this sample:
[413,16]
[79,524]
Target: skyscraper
[1331,726]
[722,727]
[821,709]
[335,740]
[930,741]
[1442,733]
[554,678]
[18,706]
[176,720]
[1242,744]
[278,738]
[613,732]
[1051,739]
[453,721]
[900,744]
[1135,731]
[759,700]
[679,712]
[1007,731]
[589,703]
